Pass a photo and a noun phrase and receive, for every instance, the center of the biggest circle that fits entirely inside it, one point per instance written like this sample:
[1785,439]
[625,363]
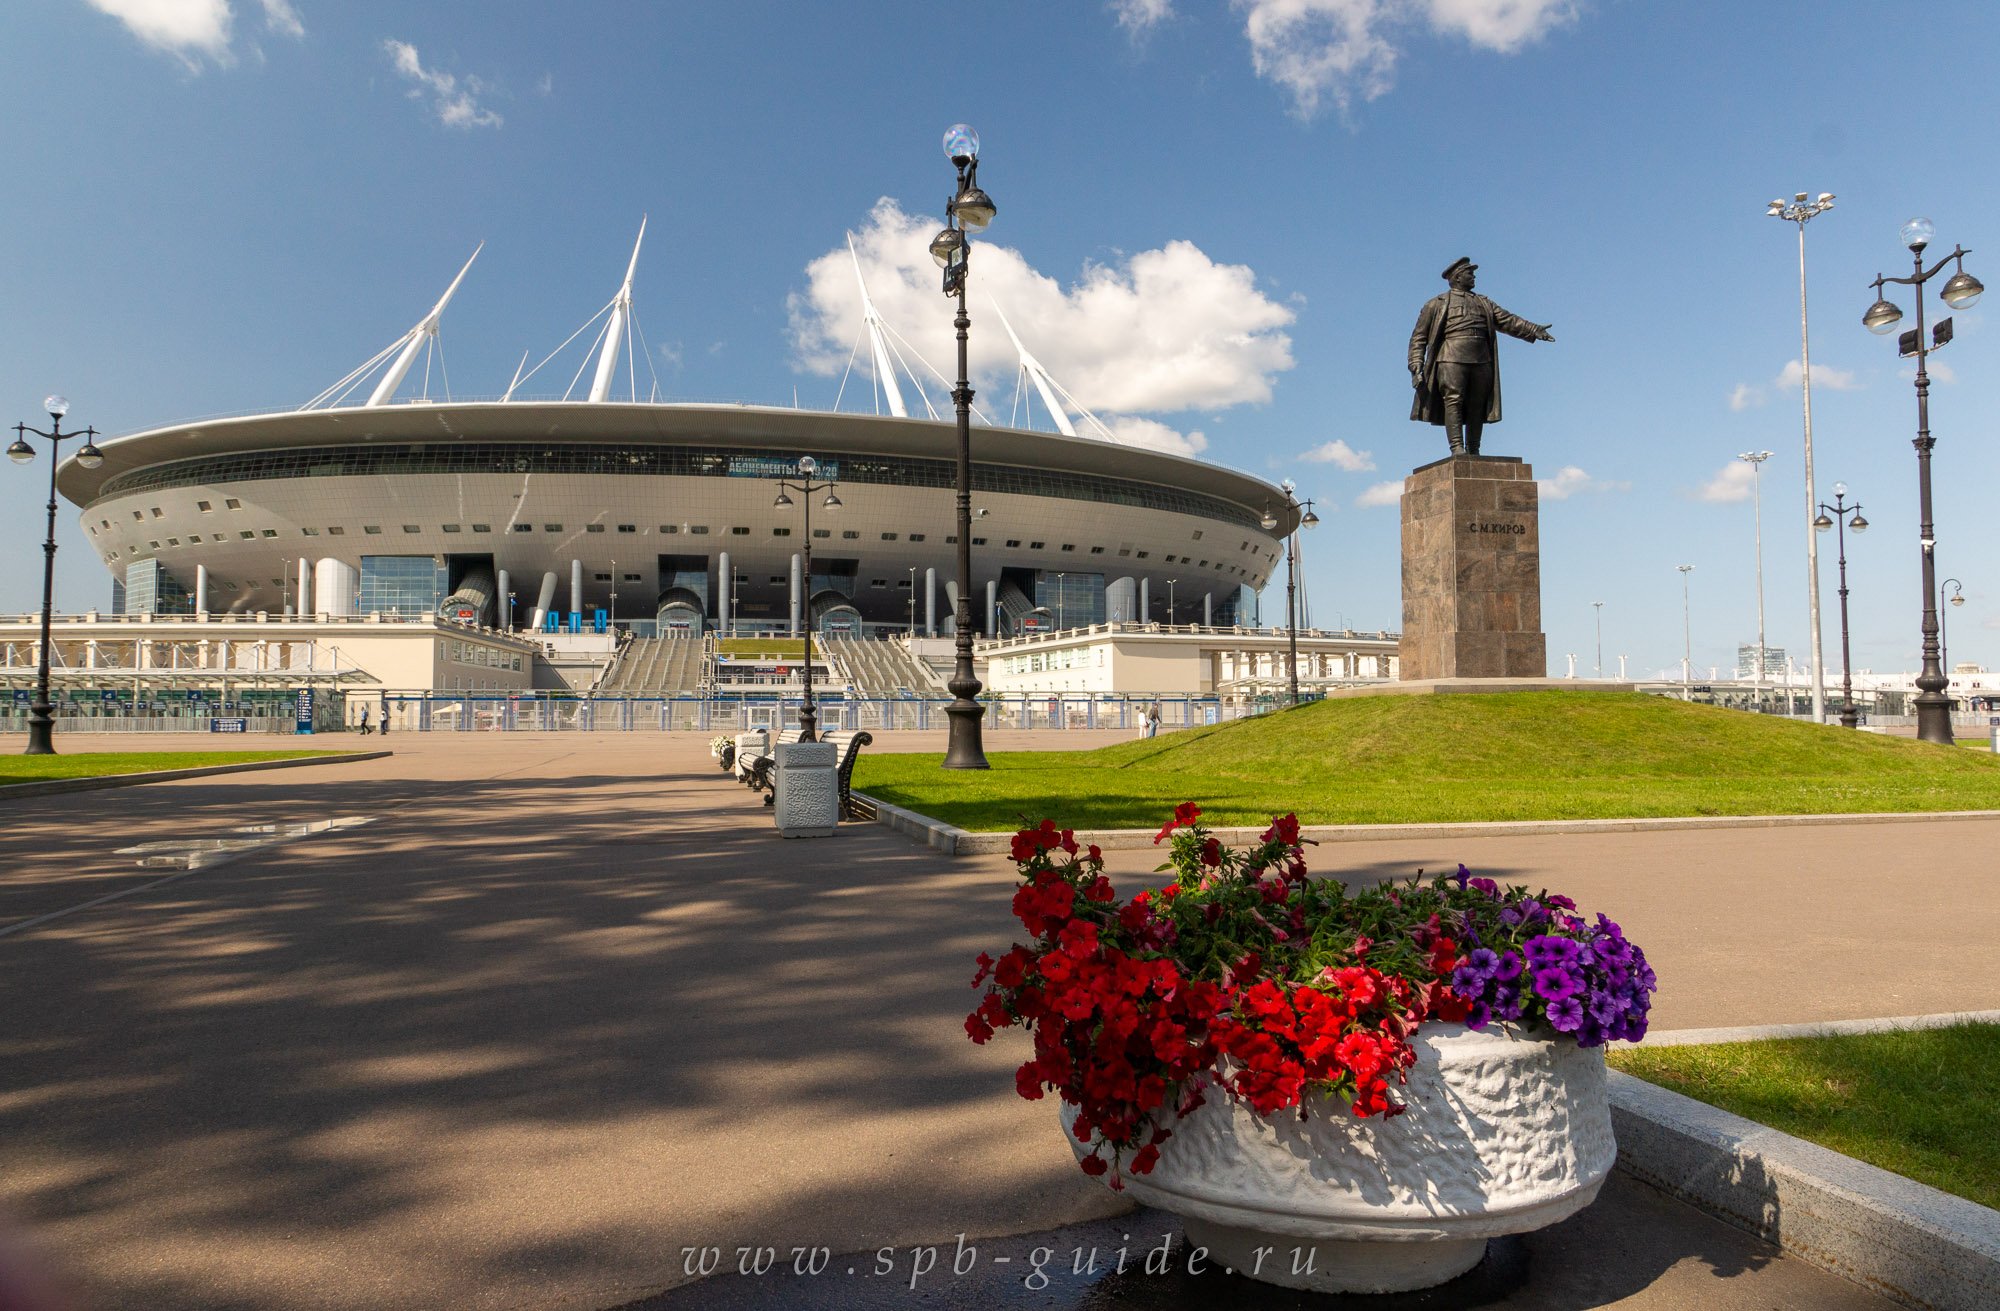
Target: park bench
[846,746]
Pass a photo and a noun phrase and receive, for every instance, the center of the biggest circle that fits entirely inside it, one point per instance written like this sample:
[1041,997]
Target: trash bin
[806,790]
[749,746]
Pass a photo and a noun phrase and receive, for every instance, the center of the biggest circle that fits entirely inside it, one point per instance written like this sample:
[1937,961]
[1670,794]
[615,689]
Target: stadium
[659,518]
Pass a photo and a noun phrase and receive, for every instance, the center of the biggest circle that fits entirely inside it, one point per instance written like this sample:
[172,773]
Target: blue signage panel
[236,724]
[305,716]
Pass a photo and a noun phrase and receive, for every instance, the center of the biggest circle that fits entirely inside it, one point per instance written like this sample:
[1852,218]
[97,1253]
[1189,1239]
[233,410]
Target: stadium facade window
[739,532]
[231,503]
[204,507]
[451,528]
[336,531]
[1013,542]
[1036,546]
[849,535]
[309,532]
[409,584]
[670,528]
[411,529]
[628,528]
[482,528]
[916,537]
[781,532]
[552,528]
[699,530]
[593,528]
[372,529]
[270,532]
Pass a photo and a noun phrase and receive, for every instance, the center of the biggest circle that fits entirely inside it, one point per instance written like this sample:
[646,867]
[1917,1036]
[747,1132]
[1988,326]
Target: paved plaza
[565,1006]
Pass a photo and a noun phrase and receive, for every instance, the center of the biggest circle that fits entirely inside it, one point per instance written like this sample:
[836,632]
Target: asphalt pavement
[565,1009]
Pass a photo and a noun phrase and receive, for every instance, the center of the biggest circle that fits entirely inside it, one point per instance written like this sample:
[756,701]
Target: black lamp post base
[965,749]
[1850,717]
[1934,720]
[808,724]
[41,732]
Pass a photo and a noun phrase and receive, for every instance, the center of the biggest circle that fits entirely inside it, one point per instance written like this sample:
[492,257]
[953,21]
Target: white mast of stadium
[614,331]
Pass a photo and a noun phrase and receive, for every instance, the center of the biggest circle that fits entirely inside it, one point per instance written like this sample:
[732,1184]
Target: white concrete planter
[1506,1133]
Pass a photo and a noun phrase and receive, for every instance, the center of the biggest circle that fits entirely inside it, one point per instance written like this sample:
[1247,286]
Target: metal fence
[448,712]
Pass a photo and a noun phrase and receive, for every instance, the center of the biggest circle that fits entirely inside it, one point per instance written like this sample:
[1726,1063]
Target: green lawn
[1410,759]
[95,764]
[1922,1104]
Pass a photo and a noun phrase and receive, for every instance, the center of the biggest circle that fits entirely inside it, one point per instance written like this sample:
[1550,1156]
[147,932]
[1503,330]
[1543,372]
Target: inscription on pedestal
[1472,571]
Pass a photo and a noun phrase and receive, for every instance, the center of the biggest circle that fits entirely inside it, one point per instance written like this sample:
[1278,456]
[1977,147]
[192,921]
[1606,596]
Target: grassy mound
[1411,759]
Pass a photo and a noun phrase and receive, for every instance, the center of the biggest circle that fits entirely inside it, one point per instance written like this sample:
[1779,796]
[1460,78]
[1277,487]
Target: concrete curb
[1905,1240]
[1823,1029]
[954,841]
[57,786]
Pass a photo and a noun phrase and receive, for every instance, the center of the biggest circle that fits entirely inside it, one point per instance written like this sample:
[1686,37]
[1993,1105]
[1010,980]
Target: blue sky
[1215,227]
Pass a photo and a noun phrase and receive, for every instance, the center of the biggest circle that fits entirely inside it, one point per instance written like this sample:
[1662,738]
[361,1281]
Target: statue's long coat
[1428,336]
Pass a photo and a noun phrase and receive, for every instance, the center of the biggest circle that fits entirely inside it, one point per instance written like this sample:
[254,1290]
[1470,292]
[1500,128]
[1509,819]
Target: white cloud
[1823,375]
[1938,370]
[280,17]
[1346,50]
[1571,481]
[190,30]
[1746,397]
[1340,454]
[545,85]
[671,353]
[455,100]
[1732,482]
[1139,16]
[185,29]
[1156,435]
[1389,493]
[1162,331]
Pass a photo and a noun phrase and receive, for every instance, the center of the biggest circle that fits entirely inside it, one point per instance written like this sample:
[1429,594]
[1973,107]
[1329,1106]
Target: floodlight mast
[1803,210]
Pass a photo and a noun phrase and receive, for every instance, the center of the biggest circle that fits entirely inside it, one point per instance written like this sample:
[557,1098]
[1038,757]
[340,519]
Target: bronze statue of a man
[1453,361]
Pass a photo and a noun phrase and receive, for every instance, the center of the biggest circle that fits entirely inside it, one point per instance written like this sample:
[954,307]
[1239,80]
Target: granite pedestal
[1472,571]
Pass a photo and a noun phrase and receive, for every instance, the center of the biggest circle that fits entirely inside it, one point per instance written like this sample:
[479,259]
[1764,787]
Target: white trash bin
[807,789]
[748,747]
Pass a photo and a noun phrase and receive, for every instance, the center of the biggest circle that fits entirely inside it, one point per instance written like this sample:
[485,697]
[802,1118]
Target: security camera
[983,512]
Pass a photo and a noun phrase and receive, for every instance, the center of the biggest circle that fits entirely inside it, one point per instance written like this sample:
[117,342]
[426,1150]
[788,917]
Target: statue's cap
[1462,262]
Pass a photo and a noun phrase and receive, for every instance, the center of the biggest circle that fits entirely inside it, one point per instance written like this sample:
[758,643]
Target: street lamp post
[614,598]
[1059,601]
[1755,459]
[1960,291]
[1300,514]
[1957,597]
[1803,211]
[41,715]
[1843,515]
[807,489]
[510,612]
[970,210]
[1598,606]
[1170,601]
[913,603]
[1687,636]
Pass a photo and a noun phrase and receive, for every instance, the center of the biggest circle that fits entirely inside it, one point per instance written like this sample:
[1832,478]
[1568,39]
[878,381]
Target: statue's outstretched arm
[1516,326]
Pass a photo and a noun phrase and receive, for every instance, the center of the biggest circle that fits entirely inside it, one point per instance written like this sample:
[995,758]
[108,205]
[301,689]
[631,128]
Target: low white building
[1128,659]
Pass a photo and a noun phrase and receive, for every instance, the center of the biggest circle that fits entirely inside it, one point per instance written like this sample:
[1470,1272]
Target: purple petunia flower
[1566,1016]
[1510,917]
[1460,877]
[1487,886]
[1564,902]
[1551,950]
[1484,960]
[1468,982]
[1478,1016]
[1604,1007]
[1556,983]
[1507,1001]
[1509,966]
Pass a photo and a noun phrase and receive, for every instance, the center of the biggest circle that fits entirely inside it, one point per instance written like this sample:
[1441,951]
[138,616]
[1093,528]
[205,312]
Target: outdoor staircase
[656,666]
[878,669]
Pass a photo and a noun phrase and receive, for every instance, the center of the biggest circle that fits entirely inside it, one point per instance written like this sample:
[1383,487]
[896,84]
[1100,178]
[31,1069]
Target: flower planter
[1507,1131]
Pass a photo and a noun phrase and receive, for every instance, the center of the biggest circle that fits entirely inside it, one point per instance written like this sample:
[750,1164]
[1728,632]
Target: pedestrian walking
[365,730]
[1153,719]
